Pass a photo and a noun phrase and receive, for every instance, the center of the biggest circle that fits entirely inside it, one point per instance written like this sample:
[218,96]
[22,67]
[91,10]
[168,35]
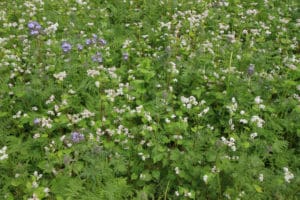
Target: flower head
[125,56]
[88,41]
[34,28]
[79,47]
[102,42]
[77,137]
[36,121]
[66,47]
[97,57]
[251,69]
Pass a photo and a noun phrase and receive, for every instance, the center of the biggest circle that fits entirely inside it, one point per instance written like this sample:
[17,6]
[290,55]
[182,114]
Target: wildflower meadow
[149,99]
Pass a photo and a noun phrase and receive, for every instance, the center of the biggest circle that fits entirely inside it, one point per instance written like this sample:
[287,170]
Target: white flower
[37,135]
[243,121]
[92,73]
[287,175]
[261,177]
[205,178]
[3,153]
[253,135]
[35,184]
[46,190]
[97,84]
[167,120]
[60,76]
[51,29]
[177,171]
[262,106]
[259,121]
[258,100]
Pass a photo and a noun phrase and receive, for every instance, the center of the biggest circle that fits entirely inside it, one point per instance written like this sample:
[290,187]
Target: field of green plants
[149,99]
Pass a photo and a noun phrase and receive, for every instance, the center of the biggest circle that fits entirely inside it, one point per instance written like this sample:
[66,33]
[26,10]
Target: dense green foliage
[132,99]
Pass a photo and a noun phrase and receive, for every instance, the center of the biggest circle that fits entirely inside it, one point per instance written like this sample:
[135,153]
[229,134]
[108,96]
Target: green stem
[166,191]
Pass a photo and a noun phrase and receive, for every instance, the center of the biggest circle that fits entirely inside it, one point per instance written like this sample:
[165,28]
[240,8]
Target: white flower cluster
[287,175]
[253,135]
[51,29]
[259,101]
[261,177]
[259,121]
[86,114]
[92,73]
[177,170]
[3,154]
[75,118]
[233,107]
[189,102]
[205,178]
[230,143]
[60,76]
[46,122]
[111,94]
[51,99]
[203,112]
[173,69]
[143,156]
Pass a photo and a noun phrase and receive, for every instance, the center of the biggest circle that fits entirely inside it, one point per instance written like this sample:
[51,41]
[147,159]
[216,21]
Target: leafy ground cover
[132,99]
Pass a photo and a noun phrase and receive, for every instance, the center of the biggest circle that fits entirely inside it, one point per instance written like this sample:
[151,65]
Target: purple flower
[34,28]
[95,37]
[251,69]
[77,137]
[125,56]
[97,57]
[88,42]
[66,47]
[36,121]
[102,42]
[79,47]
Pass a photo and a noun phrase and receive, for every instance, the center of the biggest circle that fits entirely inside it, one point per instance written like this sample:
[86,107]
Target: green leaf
[258,188]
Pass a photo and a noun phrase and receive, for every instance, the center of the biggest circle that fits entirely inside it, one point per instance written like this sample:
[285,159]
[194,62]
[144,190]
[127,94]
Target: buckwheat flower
[66,47]
[36,136]
[261,177]
[287,175]
[177,171]
[262,106]
[46,190]
[259,121]
[251,69]
[258,100]
[60,76]
[97,84]
[35,184]
[253,135]
[77,137]
[243,121]
[92,73]
[3,154]
[205,178]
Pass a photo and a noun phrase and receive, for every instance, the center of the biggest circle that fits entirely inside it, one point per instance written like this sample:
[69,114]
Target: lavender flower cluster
[76,137]
[34,28]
